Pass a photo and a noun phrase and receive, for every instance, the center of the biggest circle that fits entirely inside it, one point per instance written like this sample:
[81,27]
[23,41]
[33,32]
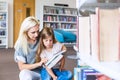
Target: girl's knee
[69,75]
[45,75]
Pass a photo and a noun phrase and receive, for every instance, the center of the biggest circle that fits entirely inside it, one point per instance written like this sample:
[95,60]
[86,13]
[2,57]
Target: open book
[55,59]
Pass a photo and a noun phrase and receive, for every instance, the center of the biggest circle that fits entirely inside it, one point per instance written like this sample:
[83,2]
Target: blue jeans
[62,75]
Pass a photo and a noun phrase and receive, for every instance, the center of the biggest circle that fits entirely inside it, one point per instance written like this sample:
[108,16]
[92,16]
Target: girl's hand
[55,78]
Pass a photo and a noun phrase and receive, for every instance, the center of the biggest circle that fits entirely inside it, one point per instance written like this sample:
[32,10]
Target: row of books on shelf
[2,24]
[62,26]
[50,18]
[72,19]
[2,16]
[2,32]
[59,10]
[68,26]
[60,18]
[88,73]
[2,40]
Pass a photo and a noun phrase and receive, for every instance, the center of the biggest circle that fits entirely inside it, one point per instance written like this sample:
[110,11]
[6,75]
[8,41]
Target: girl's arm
[64,48]
[62,63]
[51,73]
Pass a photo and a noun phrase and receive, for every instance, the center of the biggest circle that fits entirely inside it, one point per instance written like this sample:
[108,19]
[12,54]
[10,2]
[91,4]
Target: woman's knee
[25,75]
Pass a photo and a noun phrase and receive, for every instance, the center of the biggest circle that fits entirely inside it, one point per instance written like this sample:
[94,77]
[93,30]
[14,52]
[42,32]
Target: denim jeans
[62,75]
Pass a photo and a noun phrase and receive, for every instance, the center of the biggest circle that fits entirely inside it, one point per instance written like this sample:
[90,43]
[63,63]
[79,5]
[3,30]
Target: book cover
[92,74]
[55,59]
[89,73]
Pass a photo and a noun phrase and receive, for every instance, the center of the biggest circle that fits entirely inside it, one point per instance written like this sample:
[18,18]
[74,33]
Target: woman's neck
[32,41]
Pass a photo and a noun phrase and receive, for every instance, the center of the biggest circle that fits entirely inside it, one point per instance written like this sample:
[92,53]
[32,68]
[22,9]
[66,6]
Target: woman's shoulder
[19,51]
[19,48]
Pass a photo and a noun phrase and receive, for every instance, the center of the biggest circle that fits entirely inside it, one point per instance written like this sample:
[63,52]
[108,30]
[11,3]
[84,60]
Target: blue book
[89,74]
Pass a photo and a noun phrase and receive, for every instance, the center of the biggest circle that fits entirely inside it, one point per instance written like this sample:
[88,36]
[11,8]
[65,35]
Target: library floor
[9,69]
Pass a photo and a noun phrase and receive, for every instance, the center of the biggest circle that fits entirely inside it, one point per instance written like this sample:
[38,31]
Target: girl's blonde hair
[45,32]
[22,41]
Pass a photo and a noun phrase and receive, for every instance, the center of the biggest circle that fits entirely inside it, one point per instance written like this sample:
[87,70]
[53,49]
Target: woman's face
[48,42]
[33,33]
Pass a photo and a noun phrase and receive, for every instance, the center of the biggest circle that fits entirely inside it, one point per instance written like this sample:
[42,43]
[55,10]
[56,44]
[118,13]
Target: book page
[57,57]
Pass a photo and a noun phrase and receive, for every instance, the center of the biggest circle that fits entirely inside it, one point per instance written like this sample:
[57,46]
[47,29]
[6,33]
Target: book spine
[77,73]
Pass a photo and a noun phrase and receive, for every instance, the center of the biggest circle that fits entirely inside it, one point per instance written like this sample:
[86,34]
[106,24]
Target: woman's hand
[44,60]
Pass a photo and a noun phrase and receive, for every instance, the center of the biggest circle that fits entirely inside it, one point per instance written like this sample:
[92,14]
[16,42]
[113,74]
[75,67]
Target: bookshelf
[60,17]
[89,47]
[3,25]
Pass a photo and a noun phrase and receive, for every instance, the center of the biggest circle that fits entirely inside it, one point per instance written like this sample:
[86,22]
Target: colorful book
[89,74]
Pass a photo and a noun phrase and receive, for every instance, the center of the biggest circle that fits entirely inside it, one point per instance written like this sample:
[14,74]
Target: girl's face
[48,42]
[33,33]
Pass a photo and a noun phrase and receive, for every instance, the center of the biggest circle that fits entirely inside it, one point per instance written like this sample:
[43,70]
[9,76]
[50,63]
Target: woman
[25,50]
[48,48]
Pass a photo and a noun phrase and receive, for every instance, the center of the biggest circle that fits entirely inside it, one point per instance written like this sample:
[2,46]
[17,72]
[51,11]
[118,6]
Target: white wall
[10,22]
[41,3]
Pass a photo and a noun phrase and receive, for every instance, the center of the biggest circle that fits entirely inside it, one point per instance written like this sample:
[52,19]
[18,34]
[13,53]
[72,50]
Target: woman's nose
[36,34]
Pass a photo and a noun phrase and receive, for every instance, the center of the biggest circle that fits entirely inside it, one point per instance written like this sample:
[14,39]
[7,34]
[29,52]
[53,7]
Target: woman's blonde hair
[45,32]
[22,41]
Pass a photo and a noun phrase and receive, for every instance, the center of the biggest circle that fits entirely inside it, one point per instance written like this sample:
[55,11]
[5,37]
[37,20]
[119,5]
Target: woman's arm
[22,65]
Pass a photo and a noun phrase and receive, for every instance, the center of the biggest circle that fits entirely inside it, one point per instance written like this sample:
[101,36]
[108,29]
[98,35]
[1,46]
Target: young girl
[47,49]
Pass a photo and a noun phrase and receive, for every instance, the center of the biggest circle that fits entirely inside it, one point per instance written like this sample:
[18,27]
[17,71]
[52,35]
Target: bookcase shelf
[59,17]
[3,24]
